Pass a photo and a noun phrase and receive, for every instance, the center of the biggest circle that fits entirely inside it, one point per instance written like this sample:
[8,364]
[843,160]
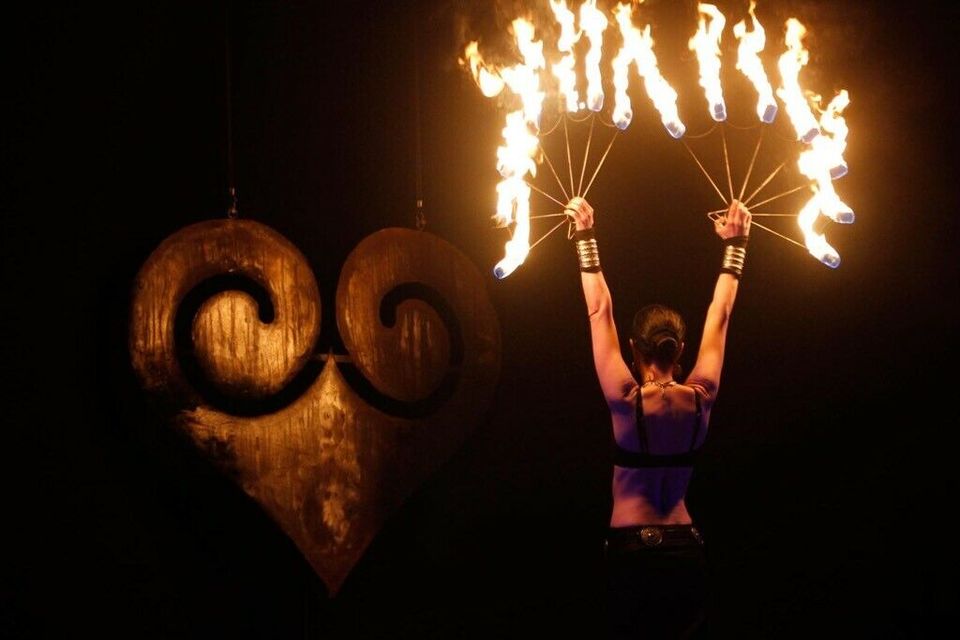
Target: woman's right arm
[734,228]
[612,372]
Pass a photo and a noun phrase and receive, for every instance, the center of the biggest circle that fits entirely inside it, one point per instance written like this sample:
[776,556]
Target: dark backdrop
[825,482]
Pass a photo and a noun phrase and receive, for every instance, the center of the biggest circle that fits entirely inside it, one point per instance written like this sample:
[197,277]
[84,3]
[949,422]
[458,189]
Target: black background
[826,481]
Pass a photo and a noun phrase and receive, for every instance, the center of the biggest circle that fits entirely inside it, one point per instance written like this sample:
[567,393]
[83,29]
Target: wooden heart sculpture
[224,323]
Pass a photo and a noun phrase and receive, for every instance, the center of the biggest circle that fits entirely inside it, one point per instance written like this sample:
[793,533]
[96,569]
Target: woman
[656,567]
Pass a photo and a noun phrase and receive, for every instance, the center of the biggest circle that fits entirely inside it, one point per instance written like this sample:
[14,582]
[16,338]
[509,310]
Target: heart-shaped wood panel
[224,323]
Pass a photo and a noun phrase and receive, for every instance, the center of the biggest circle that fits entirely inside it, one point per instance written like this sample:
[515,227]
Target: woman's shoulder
[627,398]
[706,392]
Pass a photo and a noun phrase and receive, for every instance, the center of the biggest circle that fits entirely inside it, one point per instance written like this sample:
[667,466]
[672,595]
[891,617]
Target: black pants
[656,582]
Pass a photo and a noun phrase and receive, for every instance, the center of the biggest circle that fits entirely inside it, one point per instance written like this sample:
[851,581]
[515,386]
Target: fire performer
[656,576]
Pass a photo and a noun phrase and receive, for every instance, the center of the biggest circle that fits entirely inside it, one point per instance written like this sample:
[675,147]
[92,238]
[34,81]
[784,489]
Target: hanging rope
[420,217]
[232,205]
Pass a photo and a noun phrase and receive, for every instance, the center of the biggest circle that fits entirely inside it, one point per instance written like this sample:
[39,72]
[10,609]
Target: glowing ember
[748,61]
[790,64]
[638,46]
[706,43]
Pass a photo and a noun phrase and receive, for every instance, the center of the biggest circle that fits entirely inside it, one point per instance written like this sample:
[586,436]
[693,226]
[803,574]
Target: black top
[643,458]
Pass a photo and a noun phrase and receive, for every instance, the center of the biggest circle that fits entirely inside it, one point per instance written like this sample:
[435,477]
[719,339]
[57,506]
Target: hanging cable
[421,218]
[232,205]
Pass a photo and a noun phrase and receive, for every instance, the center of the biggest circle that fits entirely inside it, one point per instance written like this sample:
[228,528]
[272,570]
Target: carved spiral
[414,314]
[244,347]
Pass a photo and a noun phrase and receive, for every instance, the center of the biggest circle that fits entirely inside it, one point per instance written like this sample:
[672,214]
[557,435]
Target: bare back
[655,495]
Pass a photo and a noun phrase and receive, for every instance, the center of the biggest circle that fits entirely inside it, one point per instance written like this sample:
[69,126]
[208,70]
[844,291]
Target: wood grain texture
[239,353]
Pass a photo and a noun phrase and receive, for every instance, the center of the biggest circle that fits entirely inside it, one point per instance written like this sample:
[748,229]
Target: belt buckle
[696,535]
[651,536]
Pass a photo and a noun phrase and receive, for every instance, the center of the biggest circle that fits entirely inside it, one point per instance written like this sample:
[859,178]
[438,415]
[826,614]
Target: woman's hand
[735,223]
[581,212]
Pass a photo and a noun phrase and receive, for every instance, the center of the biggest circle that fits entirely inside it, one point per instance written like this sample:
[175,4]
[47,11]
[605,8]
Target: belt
[653,536]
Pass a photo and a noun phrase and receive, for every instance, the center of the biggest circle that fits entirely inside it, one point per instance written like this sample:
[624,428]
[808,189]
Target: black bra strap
[642,459]
[641,426]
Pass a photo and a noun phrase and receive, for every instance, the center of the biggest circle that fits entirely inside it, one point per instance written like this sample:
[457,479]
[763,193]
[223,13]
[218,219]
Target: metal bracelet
[733,259]
[588,255]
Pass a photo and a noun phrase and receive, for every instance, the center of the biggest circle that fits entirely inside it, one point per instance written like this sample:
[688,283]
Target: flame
[748,61]
[790,64]
[834,126]
[593,23]
[524,78]
[822,162]
[638,47]
[706,42]
[490,82]
[816,242]
[622,109]
[819,162]
[514,162]
[515,159]
[564,69]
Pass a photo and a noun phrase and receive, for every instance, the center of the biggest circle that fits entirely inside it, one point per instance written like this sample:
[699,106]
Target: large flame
[816,242]
[790,64]
[638,47]
[834,126]
[748,61]
[706,43]
[622,109]
[515,159]
[515,162]
[822,162]
[489,81]
[564,69]
[593,23]
[524,78]
[821,159]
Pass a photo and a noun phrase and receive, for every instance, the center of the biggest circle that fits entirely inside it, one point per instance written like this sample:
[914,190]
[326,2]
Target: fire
[514,162]
[524,78]
[816,242]
[638,47]
[748,61]
[835,127]
[706,43]
[790,64]
[819,163]
[822,162]
[622,109]
[515,159]
[593,23]
[490,82]
[564,69]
